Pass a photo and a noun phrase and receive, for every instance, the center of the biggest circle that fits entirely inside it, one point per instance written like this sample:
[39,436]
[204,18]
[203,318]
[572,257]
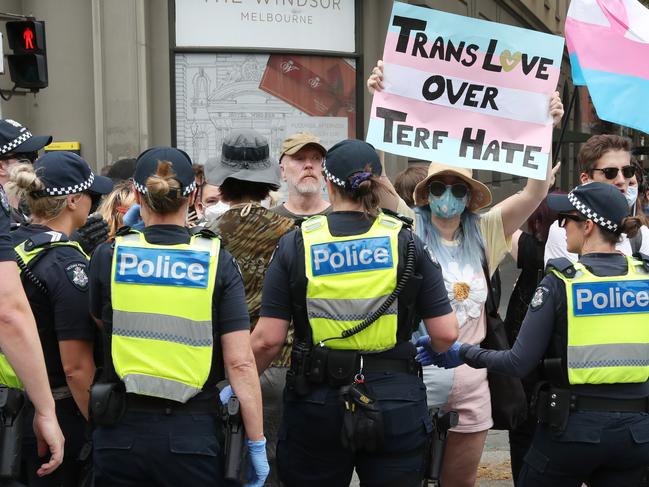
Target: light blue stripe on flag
[577,74]
[619,98]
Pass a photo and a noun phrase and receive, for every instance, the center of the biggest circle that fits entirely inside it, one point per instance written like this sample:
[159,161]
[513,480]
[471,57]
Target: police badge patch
[539,297]
[77,275]
[4,202]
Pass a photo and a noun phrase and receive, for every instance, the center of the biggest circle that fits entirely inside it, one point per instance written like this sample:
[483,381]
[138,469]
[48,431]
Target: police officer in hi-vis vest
[19,345]
[59,188]
[173,309]
[355,284]
[587,326]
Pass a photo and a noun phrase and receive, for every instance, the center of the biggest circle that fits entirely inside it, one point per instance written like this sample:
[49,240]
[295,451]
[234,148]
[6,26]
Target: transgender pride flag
[608,42]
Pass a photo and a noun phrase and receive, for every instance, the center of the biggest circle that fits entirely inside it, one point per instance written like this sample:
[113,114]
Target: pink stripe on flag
[514,79]
[602,49]
[454,121]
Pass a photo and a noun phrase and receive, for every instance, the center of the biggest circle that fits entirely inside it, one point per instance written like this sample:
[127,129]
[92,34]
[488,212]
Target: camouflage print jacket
[250,233]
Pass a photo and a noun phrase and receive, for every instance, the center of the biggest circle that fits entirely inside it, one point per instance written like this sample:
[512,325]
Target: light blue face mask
[447,205]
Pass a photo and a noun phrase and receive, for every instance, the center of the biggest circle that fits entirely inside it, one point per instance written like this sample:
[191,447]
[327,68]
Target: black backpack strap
[645,260]
[562,264]
[636,243]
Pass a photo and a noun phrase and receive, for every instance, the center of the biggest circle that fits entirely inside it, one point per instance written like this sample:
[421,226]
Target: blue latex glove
[449,359]
[133,219]
[258,468]
[425,350]
[225,394]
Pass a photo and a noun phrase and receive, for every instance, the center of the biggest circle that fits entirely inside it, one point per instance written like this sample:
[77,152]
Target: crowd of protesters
[77,234]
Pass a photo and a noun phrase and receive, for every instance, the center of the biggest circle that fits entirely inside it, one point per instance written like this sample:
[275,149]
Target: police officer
[59,190]
[173,308]
[20,345]
[587,323]
[355,284]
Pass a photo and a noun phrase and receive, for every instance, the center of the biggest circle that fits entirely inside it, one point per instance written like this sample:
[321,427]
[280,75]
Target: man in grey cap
[301,163]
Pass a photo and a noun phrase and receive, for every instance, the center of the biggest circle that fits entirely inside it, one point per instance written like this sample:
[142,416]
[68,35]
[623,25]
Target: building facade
[125,75]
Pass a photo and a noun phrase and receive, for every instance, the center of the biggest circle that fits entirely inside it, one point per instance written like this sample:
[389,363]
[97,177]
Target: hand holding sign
[477,100]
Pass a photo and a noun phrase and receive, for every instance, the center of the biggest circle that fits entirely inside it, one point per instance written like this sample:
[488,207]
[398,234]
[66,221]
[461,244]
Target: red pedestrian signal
[28,63]
[28,36]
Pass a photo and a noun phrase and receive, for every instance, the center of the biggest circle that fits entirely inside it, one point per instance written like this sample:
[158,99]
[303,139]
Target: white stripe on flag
[525,106]
[587,11]
[638,21]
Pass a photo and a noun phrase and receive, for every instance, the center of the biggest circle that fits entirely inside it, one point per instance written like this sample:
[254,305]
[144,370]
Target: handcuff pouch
[107,403]
[342,365]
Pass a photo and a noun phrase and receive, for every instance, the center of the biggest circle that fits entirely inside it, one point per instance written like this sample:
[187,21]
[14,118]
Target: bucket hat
[480,194]
[245,156]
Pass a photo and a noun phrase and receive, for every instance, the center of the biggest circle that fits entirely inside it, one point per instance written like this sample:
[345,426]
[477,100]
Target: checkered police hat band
[143,189]
[592,214]
[10,146]
[337,181]
[62,191]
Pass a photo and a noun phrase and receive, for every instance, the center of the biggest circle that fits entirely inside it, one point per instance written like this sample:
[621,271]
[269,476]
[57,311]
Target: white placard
[320,25]
[330,130]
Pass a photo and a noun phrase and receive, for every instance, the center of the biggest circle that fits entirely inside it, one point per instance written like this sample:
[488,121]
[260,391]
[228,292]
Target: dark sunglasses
[96,200]
[611,172]
[564,217]
[459,190]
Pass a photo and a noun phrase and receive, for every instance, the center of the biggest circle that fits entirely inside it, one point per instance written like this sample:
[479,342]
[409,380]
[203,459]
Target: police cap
[65,173]
[602,203]
[147,166]
[351,157]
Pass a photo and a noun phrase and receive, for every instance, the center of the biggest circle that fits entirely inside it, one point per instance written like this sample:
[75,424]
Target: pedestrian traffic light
[28,63]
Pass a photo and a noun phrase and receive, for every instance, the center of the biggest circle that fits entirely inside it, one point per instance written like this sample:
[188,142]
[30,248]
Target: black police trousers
[600,448]
[309,450]
[148,449]
[74,428]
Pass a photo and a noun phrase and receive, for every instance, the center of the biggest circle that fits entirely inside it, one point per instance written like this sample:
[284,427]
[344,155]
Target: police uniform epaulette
[44,238]
[563,265]
[406,220]
[645,260]
[203,232]
[125,230]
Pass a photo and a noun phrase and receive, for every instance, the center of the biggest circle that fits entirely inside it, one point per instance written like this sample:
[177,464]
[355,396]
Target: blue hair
[471,249]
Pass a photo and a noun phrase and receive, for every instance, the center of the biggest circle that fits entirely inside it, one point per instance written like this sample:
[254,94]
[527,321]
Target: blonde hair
[24,182]
[122,196]
[164,192]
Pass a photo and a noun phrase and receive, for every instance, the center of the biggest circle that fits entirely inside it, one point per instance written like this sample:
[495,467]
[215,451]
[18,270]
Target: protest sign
[466,92]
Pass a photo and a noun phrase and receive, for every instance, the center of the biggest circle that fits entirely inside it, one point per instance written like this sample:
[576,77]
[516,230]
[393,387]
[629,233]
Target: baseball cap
[349,157]
[65,173]
[293,143]
[602,203]
[147,166]
[14,138]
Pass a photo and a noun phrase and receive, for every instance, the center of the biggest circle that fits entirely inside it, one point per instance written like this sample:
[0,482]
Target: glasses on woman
[459,190]
[611,172]
[564,217]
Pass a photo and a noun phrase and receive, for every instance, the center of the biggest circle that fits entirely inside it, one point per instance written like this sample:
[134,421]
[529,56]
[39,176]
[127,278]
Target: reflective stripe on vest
[347,279]
[8,376]
[162,340]
[608,326]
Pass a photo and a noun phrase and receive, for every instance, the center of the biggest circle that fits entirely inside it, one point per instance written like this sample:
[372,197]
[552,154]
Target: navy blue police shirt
[548,310]
[432,300]
[6,247]
[228,303]
[61,314]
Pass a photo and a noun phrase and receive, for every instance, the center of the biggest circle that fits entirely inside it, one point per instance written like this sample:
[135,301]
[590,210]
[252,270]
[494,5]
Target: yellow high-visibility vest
[27,252]
[608,326]
[347,279]
[162,340]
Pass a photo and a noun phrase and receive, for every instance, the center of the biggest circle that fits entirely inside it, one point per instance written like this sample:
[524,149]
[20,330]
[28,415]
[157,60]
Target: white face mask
[631,195]
[214,211]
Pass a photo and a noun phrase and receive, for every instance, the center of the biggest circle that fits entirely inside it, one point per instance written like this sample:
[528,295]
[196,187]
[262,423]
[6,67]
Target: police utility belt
[553,405]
